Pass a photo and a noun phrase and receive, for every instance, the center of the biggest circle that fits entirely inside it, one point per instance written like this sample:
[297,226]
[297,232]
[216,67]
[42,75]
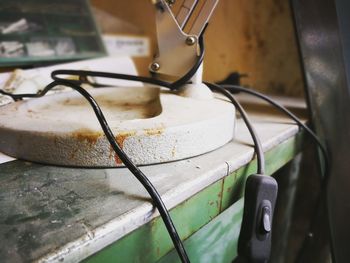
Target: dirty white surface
[30,81]
[151,125]
[5,158]
[123,65]
[53,214]
[33,80]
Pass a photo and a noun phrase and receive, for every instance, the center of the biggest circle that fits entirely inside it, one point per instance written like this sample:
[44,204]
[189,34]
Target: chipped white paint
[176,182]
[4,158]
[151,125]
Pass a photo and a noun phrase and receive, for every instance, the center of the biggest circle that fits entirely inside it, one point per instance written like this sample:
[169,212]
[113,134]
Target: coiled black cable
[140,176]
[322,198]
[233,88]
[122,155]
[257,143]
[83,78]
[84,74]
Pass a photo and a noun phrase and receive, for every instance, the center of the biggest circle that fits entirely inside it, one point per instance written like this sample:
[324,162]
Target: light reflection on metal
[324,35]
[178,50]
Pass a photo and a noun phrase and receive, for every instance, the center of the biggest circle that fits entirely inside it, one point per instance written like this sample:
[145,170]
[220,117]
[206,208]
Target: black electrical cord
[257,143]
[128,163]
[323,179]
[83,78]
[122,155]
[83,74]
[233,88]
[173,86]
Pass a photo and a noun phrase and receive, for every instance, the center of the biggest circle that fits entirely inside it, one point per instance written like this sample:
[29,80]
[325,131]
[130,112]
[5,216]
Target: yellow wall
[252,36]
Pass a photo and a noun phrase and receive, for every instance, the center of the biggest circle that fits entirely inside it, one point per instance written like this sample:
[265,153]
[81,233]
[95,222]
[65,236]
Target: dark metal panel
[324,37]
[343,10]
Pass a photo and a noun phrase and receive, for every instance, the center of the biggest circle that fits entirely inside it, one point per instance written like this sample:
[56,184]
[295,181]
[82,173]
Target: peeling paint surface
[50,213]
[152,126]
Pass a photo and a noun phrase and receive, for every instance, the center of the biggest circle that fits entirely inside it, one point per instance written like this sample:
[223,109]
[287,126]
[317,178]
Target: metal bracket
[177,50]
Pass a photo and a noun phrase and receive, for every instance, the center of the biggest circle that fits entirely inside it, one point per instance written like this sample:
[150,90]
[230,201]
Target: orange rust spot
[155,131]
[87,135]
[120,138]
[111,152]
[113,155]
[117,159]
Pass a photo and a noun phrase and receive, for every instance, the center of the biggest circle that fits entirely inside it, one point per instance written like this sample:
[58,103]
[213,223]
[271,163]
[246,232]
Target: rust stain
[120,138]
[87,135]
[173,152]
[55,140]
[111,152]
[117,159]
[72,156]
[155,131]
[74,102]
[219,202]
[31,113]
[220,194]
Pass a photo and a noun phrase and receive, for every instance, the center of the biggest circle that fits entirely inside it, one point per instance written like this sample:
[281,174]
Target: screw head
[155,66]
[171,2]
[191,40]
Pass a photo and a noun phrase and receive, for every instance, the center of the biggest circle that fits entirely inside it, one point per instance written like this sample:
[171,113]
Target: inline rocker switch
[260,196]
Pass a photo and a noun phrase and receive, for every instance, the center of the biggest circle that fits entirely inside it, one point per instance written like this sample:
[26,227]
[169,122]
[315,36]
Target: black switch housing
[254,244]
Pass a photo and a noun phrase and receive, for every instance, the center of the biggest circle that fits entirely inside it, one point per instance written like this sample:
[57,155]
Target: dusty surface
[67,213]
[151,127]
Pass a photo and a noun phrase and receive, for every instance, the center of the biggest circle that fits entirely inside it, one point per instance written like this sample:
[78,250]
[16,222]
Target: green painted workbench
[58,214]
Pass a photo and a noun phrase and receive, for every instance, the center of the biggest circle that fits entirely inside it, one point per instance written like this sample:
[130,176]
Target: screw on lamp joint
[154,66]
[191,40]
